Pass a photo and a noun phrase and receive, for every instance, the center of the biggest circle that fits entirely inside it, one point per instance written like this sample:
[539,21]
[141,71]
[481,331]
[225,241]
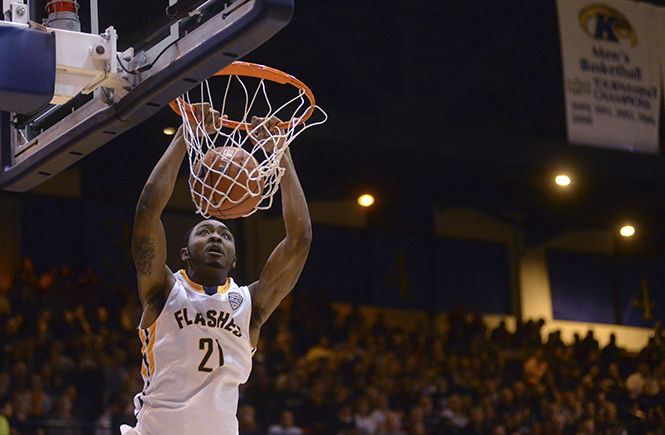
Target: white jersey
[194,357]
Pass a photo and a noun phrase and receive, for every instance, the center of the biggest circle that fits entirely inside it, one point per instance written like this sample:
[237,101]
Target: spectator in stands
[610,352]
[654,383]
[476,425]
[590,380]
[5,387]
[5,428]
[344,423]
[321,350]
[40,400]
[64,413]
[554,342]
[454,415]
[589,343]
[5,303]
[363,418]
[635,381]
[247,420]
[535,369]
[286,425]
[500,335]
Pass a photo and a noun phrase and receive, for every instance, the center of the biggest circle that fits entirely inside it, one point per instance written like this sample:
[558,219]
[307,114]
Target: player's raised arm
[149,240]
[281,271]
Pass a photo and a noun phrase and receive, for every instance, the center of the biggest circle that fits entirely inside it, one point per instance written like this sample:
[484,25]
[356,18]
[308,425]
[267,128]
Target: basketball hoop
[290,100]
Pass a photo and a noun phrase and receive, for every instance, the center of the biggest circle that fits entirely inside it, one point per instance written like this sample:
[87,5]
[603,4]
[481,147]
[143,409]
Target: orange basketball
[222,178]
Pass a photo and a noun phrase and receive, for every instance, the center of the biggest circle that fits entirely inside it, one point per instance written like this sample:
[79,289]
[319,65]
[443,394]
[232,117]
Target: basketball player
[198,326]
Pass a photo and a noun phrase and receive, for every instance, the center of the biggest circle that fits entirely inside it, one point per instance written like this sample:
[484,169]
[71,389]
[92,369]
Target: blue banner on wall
[59,232]
[337,265]
[594,288]
[107,236]
[393,269]
[472,275]
[408,270]
[51,232]
[400,270]
[641,296]
[581,286]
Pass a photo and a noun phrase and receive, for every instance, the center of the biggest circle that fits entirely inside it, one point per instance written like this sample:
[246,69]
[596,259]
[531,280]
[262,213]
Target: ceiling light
[562,180]
[627,231]
[169,131]
[366,200]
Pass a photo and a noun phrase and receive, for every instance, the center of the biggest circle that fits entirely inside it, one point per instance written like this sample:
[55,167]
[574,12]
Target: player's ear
[184,254]
[235,261]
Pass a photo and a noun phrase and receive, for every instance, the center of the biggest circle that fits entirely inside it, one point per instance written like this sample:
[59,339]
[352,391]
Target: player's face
[211,244]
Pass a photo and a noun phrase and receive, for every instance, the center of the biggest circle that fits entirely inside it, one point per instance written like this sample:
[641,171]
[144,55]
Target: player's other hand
[267,133]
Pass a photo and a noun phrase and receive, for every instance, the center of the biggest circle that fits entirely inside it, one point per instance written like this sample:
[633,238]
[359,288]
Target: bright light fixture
[366,200]
[169,131]
[562,180]
[627,231]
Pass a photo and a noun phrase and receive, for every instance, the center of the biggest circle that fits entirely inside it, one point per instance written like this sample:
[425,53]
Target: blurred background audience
[70,365]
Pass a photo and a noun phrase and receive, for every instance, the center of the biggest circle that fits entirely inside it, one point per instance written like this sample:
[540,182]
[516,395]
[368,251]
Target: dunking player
[198,326]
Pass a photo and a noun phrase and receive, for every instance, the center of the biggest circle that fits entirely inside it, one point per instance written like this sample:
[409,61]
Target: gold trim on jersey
[144,363]
[221,289]
[147,337]
[151,346]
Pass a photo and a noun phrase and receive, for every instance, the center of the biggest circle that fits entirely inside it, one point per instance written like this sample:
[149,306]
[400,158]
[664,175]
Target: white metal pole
[94,17]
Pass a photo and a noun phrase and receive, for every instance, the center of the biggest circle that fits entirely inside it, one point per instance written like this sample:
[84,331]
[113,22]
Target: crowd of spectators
[70,365]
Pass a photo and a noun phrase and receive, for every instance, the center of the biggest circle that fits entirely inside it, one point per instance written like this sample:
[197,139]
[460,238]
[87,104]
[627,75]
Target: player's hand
[267,133]
[210,118]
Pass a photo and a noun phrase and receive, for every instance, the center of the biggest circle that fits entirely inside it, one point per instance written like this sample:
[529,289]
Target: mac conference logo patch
[235,299]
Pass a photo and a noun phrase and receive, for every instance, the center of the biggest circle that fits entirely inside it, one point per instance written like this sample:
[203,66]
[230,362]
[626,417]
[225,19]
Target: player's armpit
[154,299]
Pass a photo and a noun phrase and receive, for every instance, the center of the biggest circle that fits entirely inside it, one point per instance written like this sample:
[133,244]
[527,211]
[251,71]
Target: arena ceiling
[431,105]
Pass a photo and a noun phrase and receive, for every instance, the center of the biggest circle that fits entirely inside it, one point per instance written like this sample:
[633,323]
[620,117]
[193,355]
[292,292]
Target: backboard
[162,49]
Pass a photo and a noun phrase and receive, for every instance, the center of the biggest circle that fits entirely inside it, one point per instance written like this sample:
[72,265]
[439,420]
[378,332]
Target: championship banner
[657,22]
[611,73]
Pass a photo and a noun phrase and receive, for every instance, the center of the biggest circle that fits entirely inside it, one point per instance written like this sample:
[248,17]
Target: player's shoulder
[252,288]
[236,289]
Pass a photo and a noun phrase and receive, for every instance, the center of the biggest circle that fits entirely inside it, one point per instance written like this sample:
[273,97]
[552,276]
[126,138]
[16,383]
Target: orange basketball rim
[255,70]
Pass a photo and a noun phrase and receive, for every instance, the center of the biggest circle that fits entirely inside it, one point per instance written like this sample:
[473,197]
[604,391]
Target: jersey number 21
[206,345]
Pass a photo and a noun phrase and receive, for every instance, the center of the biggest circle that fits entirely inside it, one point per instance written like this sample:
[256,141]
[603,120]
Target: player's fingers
[274,125]
[203,110]
[253,125]
[212,116]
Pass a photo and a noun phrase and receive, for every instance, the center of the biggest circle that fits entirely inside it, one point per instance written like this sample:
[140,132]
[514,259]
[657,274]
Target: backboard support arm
[195,57]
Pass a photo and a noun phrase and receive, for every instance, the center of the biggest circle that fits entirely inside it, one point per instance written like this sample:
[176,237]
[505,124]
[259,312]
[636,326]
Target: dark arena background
[474,297]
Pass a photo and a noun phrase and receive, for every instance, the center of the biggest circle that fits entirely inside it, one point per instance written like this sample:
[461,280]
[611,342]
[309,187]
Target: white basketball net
[268,151]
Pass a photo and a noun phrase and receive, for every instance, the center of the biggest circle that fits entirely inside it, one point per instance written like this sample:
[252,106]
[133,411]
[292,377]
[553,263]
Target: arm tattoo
[144,253]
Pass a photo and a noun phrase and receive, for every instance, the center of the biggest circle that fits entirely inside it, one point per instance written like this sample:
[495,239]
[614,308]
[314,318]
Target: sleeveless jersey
[194,357]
